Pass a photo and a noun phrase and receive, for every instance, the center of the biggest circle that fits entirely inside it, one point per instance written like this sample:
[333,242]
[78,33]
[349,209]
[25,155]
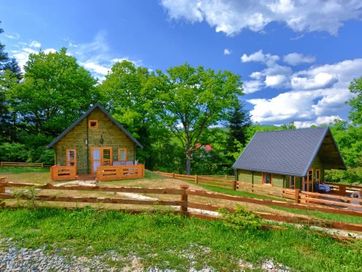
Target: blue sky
[296,58]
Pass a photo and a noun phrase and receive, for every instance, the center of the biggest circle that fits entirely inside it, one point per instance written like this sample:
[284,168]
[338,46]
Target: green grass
[168,241]
[238,193]
[323,215]
[18,170]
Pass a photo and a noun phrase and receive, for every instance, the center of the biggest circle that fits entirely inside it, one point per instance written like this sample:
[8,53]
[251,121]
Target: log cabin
[293,159]
[95,145]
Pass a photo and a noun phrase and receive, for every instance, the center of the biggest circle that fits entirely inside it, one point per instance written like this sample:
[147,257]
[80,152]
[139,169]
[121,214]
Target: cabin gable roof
[87,113]
[290,152]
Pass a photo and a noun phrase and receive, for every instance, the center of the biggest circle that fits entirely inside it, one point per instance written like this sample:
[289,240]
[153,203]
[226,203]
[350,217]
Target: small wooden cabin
[93,141]
[293,159]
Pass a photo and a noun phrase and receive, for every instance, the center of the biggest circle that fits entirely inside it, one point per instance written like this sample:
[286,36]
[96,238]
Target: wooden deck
[104,173]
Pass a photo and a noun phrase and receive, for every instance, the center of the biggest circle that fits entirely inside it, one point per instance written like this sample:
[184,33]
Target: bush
[351,175]
[241,219]
[13,152]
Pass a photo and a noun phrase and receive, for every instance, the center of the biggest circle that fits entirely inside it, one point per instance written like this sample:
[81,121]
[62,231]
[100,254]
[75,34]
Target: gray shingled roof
[65,132]
[290,152]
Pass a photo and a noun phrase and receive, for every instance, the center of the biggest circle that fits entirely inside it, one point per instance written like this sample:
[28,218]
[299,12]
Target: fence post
[342,189]
[196,179]
[173,175]
[184,200]
[235,185]
[297,191]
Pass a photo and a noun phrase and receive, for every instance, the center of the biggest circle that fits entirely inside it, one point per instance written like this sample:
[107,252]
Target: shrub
[241,219]
[13,152]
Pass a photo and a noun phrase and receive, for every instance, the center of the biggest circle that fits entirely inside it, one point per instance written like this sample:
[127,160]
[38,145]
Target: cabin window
[267,178]
[310,175]
[71,159]
[93,124]
[292,182]
[107,156]
[122,154]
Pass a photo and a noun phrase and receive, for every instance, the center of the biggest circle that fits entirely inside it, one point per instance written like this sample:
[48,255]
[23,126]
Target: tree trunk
[188,162]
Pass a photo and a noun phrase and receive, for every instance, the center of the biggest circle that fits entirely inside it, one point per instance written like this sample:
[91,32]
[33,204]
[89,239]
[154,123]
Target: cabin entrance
[100,156]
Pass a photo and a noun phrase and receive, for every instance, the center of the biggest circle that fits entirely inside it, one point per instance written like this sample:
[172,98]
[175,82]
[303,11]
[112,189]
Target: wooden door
[100,156]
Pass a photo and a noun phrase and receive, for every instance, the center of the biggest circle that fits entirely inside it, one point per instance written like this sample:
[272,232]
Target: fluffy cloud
[317,96]
[232,16]
[321,120]
[259,56]
[296,59]
[23,50]
[227,51]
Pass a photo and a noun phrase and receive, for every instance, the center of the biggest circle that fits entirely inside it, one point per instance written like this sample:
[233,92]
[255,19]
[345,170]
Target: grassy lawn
[169,241]
[322,215]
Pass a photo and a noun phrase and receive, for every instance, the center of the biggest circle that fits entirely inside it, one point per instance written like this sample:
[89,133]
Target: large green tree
[125,95]
[191,99]
[54,92]
[356,102]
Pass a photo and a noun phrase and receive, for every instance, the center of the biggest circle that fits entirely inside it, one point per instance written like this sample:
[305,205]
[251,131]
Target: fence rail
[185,205]
[21,164]
[336,201]
[105,173]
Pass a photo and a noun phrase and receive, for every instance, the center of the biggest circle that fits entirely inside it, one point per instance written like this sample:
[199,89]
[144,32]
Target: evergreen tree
[239,121]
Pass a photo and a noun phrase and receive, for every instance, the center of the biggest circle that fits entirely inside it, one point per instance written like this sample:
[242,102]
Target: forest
[189,119]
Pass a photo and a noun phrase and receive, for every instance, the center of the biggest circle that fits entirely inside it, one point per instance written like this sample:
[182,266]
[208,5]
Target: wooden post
[196,179]
[235,185]
[173,175]
[184,199]
[2,189]
[297,191]
[342,189]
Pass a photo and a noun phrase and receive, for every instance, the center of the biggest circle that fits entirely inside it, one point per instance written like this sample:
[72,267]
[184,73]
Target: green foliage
[241,219]
[55,91]
[356,102]
[29,195]
[14,152]
[191,99]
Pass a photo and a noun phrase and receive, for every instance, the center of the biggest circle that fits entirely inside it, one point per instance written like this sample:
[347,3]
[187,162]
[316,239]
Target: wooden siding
[245,176]
[278,180]
[112,137]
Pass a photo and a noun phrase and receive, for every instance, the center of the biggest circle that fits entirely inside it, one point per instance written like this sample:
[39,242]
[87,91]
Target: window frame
[264,178]
[119,153]
[67,158]
[91,121]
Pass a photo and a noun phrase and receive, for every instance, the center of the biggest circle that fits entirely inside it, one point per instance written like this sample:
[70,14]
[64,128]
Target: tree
[10,75]
[54,92]
[191,99]
[125,95]
[239,121]
[356,102]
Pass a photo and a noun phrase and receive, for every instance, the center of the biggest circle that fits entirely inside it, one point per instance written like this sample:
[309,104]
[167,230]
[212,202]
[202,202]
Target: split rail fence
[335,200]
[187,202]
[21,164]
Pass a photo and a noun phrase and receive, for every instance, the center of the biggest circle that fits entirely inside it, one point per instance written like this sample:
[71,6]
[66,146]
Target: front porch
[103,173]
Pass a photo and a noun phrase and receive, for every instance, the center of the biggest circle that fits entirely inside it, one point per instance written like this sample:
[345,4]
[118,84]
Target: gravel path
[14,259]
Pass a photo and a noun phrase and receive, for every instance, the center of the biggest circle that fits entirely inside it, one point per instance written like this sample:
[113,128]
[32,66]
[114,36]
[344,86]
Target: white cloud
[297,58]
[232,16]
[227,51]
[259,56]
[320,80]
[321,120]
[275,80]
[252,86]
[12,36]
[35,44]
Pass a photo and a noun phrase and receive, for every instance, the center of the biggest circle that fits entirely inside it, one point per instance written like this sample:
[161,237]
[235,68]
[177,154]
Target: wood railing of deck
[59,172]
[115,172]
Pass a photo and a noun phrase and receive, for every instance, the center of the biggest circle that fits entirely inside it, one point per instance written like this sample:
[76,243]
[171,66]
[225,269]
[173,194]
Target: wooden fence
[105,173]
[308,198]
[21,164]
[344,189]
[183,203]
[58,172]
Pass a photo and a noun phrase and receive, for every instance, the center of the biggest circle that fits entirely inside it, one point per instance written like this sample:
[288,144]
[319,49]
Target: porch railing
[105,173]
[59,172]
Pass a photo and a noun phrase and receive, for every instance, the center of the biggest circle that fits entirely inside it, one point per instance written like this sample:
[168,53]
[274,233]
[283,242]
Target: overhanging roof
[96,106]
[290,152]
